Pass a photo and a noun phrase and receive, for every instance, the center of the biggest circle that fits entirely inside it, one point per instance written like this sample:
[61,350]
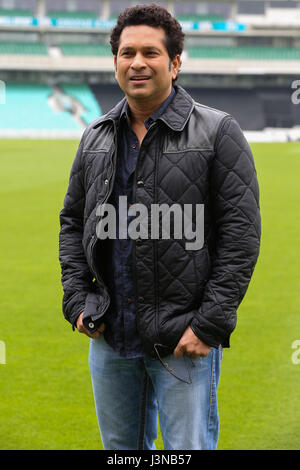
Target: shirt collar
[175,116]
[155,115]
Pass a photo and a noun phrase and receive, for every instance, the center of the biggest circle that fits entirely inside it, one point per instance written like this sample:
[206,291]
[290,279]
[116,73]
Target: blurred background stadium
[56,66]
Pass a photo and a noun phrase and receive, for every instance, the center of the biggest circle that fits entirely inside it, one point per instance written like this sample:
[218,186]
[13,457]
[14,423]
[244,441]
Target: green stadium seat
[78,14]
[86,49]
[198,17]
[84,95]
[244,52]
[15,12]
[26,48]
[29,102]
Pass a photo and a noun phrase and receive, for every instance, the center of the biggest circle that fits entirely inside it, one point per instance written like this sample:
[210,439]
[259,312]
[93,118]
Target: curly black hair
[150,15]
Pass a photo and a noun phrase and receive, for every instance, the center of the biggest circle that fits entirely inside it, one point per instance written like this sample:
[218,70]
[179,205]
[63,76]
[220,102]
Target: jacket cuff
[208,336]
[91,318]
[91,325]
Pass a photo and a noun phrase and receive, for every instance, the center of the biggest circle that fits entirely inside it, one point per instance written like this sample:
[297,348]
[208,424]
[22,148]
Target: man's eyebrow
[129,48]
[152,47]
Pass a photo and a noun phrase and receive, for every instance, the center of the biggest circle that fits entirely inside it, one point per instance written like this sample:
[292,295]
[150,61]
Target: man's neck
[139,111]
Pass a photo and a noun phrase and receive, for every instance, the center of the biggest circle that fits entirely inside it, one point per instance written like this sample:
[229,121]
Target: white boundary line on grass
[2,353]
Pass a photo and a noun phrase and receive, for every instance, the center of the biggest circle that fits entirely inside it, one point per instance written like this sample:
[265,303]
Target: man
[157,313]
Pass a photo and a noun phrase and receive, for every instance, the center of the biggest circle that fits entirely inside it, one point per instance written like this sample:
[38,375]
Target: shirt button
[140,183]
[105,181]
[141,299]
[91,325]
[133,146]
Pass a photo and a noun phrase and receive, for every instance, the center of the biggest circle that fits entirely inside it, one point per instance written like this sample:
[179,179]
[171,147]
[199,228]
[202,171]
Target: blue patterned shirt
[121,329]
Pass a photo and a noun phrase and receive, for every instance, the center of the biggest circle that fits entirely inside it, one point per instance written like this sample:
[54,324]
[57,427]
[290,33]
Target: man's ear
[115,62]
[176,63]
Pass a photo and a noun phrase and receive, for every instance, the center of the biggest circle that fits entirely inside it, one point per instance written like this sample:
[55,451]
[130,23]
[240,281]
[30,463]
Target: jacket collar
[175,115]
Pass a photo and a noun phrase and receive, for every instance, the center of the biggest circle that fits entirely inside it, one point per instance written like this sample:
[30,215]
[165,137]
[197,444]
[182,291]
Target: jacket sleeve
[235,202]
[76,276]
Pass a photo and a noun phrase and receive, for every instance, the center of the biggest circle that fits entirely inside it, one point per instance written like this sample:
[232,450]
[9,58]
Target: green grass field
[46,394]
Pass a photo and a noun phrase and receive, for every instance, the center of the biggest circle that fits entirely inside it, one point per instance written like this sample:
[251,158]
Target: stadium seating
[244,52]
[15,12]
[198,17]
[84,95]
[67,51]
[23,48]
[29,103]
[85,49]
[79,14]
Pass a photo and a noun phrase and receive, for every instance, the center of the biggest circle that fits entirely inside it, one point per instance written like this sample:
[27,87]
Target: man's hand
[191,345]
[81,328]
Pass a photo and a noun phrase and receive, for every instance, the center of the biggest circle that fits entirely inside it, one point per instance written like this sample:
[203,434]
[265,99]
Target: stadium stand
[244,52]
[39,48]
[198,17]
[82,93]
[86,49]
[55,60]
[16,12]
[79,14]
[30,103]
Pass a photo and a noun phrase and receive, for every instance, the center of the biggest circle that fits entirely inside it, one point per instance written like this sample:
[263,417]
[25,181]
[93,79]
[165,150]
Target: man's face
[143,67]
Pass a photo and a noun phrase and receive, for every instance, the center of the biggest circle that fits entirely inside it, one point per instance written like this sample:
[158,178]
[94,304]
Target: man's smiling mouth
[139,79]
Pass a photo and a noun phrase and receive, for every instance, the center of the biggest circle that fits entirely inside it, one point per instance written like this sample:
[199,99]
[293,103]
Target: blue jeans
[188,412]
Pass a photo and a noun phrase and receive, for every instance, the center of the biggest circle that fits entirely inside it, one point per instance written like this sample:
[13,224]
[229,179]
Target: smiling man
[144,69]
[158,314]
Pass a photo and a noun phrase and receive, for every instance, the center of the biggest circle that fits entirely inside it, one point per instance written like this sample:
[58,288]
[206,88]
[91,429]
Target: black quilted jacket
[191,154]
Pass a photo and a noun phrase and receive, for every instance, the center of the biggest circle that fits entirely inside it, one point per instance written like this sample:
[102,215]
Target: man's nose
[138,62]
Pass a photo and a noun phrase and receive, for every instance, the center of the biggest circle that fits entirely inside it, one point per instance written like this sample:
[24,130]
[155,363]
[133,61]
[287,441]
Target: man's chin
[140,94]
